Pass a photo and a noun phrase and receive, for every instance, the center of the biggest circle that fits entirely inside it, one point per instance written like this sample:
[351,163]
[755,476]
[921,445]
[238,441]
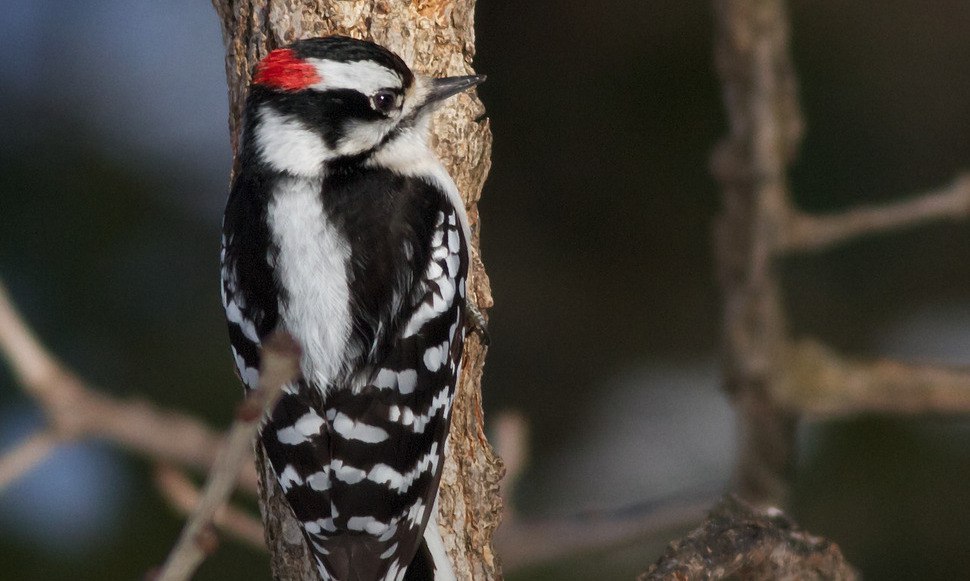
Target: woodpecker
[344,229]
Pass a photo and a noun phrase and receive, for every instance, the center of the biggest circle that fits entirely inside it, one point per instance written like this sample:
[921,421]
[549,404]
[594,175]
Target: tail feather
[422,567]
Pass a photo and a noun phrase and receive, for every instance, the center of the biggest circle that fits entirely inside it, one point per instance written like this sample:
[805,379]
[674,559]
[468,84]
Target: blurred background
[114,163]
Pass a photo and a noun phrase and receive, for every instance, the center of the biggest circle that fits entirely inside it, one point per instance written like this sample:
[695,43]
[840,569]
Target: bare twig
[523,540]
[183,494]
[810,233]
[529,541]
[821,383]
[279,365]
[36,370]
[511,437]
[75,410]
[26,455]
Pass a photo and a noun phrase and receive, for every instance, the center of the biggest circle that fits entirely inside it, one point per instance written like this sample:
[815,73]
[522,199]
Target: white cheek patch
[287,145]
[362,136]
[364,76]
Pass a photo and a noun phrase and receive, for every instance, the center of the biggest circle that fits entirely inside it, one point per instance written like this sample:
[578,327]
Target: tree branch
[75,410]
[822,384]
[25,456]
[523,541]
[809,233]
[280,364]
[184,496]
[531,541]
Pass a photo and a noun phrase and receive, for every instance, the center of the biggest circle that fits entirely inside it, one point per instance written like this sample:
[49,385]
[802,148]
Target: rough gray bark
[435,37]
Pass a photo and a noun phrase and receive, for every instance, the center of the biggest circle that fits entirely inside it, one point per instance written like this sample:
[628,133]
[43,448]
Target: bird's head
[325,99]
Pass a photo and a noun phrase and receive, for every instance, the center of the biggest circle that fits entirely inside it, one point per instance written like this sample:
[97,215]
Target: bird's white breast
[311,263]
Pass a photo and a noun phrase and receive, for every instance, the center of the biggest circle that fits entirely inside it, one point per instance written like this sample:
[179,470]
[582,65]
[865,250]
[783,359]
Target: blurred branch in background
[774,381]
[820,384]
[75,410]
[527,541]
[26,455]
[179,490]
[807,233]
[279,357]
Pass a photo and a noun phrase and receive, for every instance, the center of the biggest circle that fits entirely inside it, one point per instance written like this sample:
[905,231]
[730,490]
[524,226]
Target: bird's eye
[383,101]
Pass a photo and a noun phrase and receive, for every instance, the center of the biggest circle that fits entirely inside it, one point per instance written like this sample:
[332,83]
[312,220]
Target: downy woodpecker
[344,229]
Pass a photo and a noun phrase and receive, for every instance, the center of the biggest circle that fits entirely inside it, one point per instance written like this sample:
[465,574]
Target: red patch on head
[283,70]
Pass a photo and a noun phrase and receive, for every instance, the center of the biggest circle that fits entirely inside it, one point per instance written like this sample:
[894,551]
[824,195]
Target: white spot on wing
[249,375]
[416,512]
[390,532]
[309,423]
[367,524]
[407,380]
[407,416]
[386,379]
[439,252]
[447,290]
[432,358]
[234,315]
[440,401]
[352,430]
[290,436]
[317,526]
[452,262]
[289,477]
[319,480]
[390,551]
[421,316]
[384,474]
[346,473]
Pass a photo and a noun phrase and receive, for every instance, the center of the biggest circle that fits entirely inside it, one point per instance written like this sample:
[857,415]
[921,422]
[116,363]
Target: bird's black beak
[443,88]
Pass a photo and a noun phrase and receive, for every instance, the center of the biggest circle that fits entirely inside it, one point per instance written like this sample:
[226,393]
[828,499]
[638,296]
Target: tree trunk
[435,37]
